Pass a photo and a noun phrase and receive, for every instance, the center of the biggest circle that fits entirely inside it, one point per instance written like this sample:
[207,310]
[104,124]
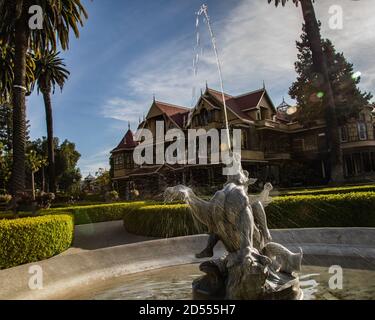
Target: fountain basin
[64,274]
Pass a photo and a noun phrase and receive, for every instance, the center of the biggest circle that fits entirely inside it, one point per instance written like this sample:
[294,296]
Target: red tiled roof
[170,109]
[176,113]
[217,94]
[240,103]
[127,142]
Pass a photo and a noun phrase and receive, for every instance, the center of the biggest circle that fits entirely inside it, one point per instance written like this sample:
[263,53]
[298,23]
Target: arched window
[205,117]
[362,131]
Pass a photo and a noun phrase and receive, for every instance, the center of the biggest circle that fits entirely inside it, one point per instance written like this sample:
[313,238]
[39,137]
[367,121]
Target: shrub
[337,190]
[45,199]
[111,196]
[355,209]
[97,213]
[33,239]
[162,221]
[5,198]
[343,210]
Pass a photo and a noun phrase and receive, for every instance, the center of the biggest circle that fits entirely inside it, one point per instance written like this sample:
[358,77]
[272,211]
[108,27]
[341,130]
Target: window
[244,143]
[259,115]
[118,162]
[205,117]
[344,134]
[362,131]
[298,145]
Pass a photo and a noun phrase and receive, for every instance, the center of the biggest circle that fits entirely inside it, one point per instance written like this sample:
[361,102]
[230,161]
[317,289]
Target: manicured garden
[355,209]
[28,240]
[30,237]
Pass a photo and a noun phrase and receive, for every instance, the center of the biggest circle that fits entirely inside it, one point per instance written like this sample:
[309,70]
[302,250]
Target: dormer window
[259,115]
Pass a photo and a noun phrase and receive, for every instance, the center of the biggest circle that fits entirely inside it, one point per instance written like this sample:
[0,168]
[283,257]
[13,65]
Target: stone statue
[254,267]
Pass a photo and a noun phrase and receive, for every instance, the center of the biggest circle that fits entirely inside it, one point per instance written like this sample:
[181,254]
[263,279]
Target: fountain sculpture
[254,267]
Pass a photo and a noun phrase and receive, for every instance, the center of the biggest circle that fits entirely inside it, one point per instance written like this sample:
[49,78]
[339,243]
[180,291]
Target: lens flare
[320,94]
[356,75]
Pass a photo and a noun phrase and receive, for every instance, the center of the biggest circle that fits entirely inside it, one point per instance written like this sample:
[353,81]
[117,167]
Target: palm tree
[321,69]
[50,71]
[7,72]
[59,17]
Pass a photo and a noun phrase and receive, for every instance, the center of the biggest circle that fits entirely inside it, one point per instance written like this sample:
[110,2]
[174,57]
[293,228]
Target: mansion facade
[276,147]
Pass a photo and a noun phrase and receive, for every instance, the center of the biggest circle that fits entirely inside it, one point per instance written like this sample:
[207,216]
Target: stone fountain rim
[65,272]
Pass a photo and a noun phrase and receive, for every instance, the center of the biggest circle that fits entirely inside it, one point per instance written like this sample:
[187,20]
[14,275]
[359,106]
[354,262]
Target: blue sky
[130,50]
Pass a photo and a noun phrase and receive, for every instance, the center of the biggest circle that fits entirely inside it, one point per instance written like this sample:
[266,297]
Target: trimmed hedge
[337,190]
[356,209]
[342,210]
[165,221]
[33,239]
[98,213]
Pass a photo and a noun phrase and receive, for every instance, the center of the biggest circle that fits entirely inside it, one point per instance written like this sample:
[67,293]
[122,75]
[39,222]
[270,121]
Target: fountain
[254,267]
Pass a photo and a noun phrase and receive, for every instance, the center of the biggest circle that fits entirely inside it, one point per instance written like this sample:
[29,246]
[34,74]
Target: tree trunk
[321,68]
[43,179]
[33,184]
[50,142]
[19,106]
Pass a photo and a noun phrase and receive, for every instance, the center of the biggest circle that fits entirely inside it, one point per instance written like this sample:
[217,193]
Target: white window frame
[362,128]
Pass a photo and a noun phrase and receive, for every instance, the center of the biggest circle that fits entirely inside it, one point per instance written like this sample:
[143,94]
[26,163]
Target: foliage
[308,88]
[340,210]
[336,190]
[6,126]
[50,71]
[5,198]
[111,196]
[66,159]
[35,161]
[7,57]
[45,199]
[5,167]
[162,221]
[103,180]
[97,213]
[33,239]
[60,18]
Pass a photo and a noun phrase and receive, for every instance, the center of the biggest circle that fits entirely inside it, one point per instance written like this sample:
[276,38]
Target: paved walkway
[102,235]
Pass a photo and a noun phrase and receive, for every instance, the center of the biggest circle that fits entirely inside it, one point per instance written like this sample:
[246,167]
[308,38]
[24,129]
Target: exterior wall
[286,154]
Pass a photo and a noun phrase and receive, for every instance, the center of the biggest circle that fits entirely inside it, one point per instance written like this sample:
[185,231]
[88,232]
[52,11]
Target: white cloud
[91,164]
[256,42]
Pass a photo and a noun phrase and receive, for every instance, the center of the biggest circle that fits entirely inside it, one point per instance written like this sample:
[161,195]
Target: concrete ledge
[66,272]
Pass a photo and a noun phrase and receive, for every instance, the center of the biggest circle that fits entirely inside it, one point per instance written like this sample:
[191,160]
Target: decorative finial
[201,92]
[264,85]
[154,97]
[128,125]
[206,85]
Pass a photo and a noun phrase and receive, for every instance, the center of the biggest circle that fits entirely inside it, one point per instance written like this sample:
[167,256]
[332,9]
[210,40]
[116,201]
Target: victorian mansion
[275,147]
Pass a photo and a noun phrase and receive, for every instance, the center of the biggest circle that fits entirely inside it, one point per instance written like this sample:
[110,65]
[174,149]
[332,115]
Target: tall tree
[321,74]
[59,17]
[35,162]
[50,72]
[6,86]
[66,165]
[306,90]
